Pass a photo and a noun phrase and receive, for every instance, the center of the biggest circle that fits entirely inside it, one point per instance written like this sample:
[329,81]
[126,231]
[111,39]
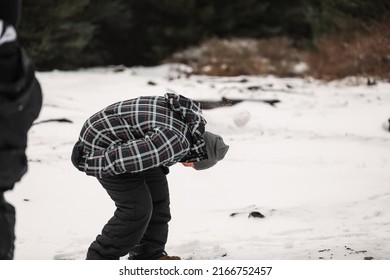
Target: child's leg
[126,228]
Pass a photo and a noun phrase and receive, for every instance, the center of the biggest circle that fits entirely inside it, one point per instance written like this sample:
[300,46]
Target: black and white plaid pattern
[142,133]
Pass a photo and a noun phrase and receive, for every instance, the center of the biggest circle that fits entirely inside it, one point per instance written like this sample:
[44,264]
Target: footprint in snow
[73,255]
[197,250]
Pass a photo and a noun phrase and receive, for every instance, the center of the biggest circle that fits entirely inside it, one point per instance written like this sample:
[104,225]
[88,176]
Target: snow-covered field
[317,166]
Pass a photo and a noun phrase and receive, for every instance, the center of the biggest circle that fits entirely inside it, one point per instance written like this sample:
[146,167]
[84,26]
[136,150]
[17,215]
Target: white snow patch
[316,166]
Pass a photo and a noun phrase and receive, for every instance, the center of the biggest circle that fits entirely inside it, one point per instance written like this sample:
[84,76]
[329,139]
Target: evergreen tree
[112,39]
[80,33]
[52,32]
[163,26]
[325,16]
[71,33]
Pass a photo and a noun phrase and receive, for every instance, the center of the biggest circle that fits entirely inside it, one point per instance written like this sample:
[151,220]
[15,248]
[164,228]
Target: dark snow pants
[7,229]
[140,223]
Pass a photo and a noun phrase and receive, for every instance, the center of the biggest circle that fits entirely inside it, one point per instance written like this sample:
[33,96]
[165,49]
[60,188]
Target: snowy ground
[317,166]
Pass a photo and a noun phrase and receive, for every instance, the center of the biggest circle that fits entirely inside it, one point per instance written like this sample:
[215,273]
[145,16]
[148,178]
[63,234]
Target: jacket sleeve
[20,103]
[159,147]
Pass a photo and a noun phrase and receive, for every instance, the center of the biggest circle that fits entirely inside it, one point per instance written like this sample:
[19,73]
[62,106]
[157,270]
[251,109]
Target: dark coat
[20,104]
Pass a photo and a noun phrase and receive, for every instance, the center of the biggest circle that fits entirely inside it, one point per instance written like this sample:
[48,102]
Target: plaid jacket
[142,133]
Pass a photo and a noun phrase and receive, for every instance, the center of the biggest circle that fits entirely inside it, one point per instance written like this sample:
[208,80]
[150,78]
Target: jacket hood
[191,113]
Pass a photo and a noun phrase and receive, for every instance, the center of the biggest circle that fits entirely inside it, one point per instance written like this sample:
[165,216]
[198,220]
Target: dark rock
[225,102]
[256,214]
[324,250]
[389,124]
[371,82]
[119,68]
[151,83]
[361,252]
[63,120]
[368,258]
[233,214]
[254,88]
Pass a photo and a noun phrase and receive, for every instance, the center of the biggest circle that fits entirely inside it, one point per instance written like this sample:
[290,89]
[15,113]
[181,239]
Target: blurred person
[128,146]
[20,103]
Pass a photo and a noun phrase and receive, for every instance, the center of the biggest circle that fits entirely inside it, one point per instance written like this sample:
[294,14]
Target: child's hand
[188,164]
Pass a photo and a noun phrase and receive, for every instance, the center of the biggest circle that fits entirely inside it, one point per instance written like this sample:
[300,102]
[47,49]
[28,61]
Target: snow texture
[317,166]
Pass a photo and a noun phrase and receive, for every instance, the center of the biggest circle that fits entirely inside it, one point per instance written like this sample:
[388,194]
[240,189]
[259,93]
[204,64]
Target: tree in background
[328,16]
[160,27]
[53,31]
[112,39]
[81,33]
[71,33]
